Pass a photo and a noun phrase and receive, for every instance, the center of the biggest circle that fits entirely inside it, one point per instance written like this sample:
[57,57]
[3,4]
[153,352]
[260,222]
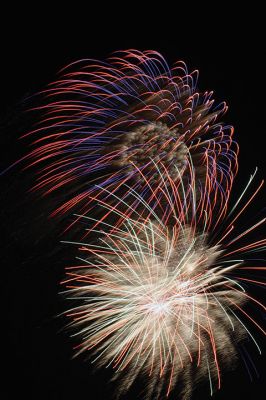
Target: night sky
[39,364]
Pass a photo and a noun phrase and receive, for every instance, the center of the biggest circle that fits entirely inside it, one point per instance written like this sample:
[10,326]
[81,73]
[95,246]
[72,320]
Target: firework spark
[164,300]
[100,119]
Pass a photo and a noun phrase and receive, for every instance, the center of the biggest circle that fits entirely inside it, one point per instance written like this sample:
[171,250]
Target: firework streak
[160,292]
[138,154]
[101,122]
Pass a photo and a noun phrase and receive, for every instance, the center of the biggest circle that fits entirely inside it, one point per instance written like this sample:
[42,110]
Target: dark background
[39,361]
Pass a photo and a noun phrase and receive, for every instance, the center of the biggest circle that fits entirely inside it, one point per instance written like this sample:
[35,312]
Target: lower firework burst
[162,301]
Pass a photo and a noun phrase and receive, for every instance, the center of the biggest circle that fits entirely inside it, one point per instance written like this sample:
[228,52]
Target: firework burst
[164,299]
[101,120]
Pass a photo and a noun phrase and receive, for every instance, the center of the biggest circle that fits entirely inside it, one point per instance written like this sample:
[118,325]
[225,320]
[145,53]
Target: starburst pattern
[101,118]
[164,299]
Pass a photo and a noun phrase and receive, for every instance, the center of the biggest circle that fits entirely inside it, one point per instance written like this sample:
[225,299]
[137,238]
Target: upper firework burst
[100,120]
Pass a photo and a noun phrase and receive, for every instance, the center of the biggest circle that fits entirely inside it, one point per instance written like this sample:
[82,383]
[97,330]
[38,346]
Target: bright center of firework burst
[158,308]
[145,143]
[163,305]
